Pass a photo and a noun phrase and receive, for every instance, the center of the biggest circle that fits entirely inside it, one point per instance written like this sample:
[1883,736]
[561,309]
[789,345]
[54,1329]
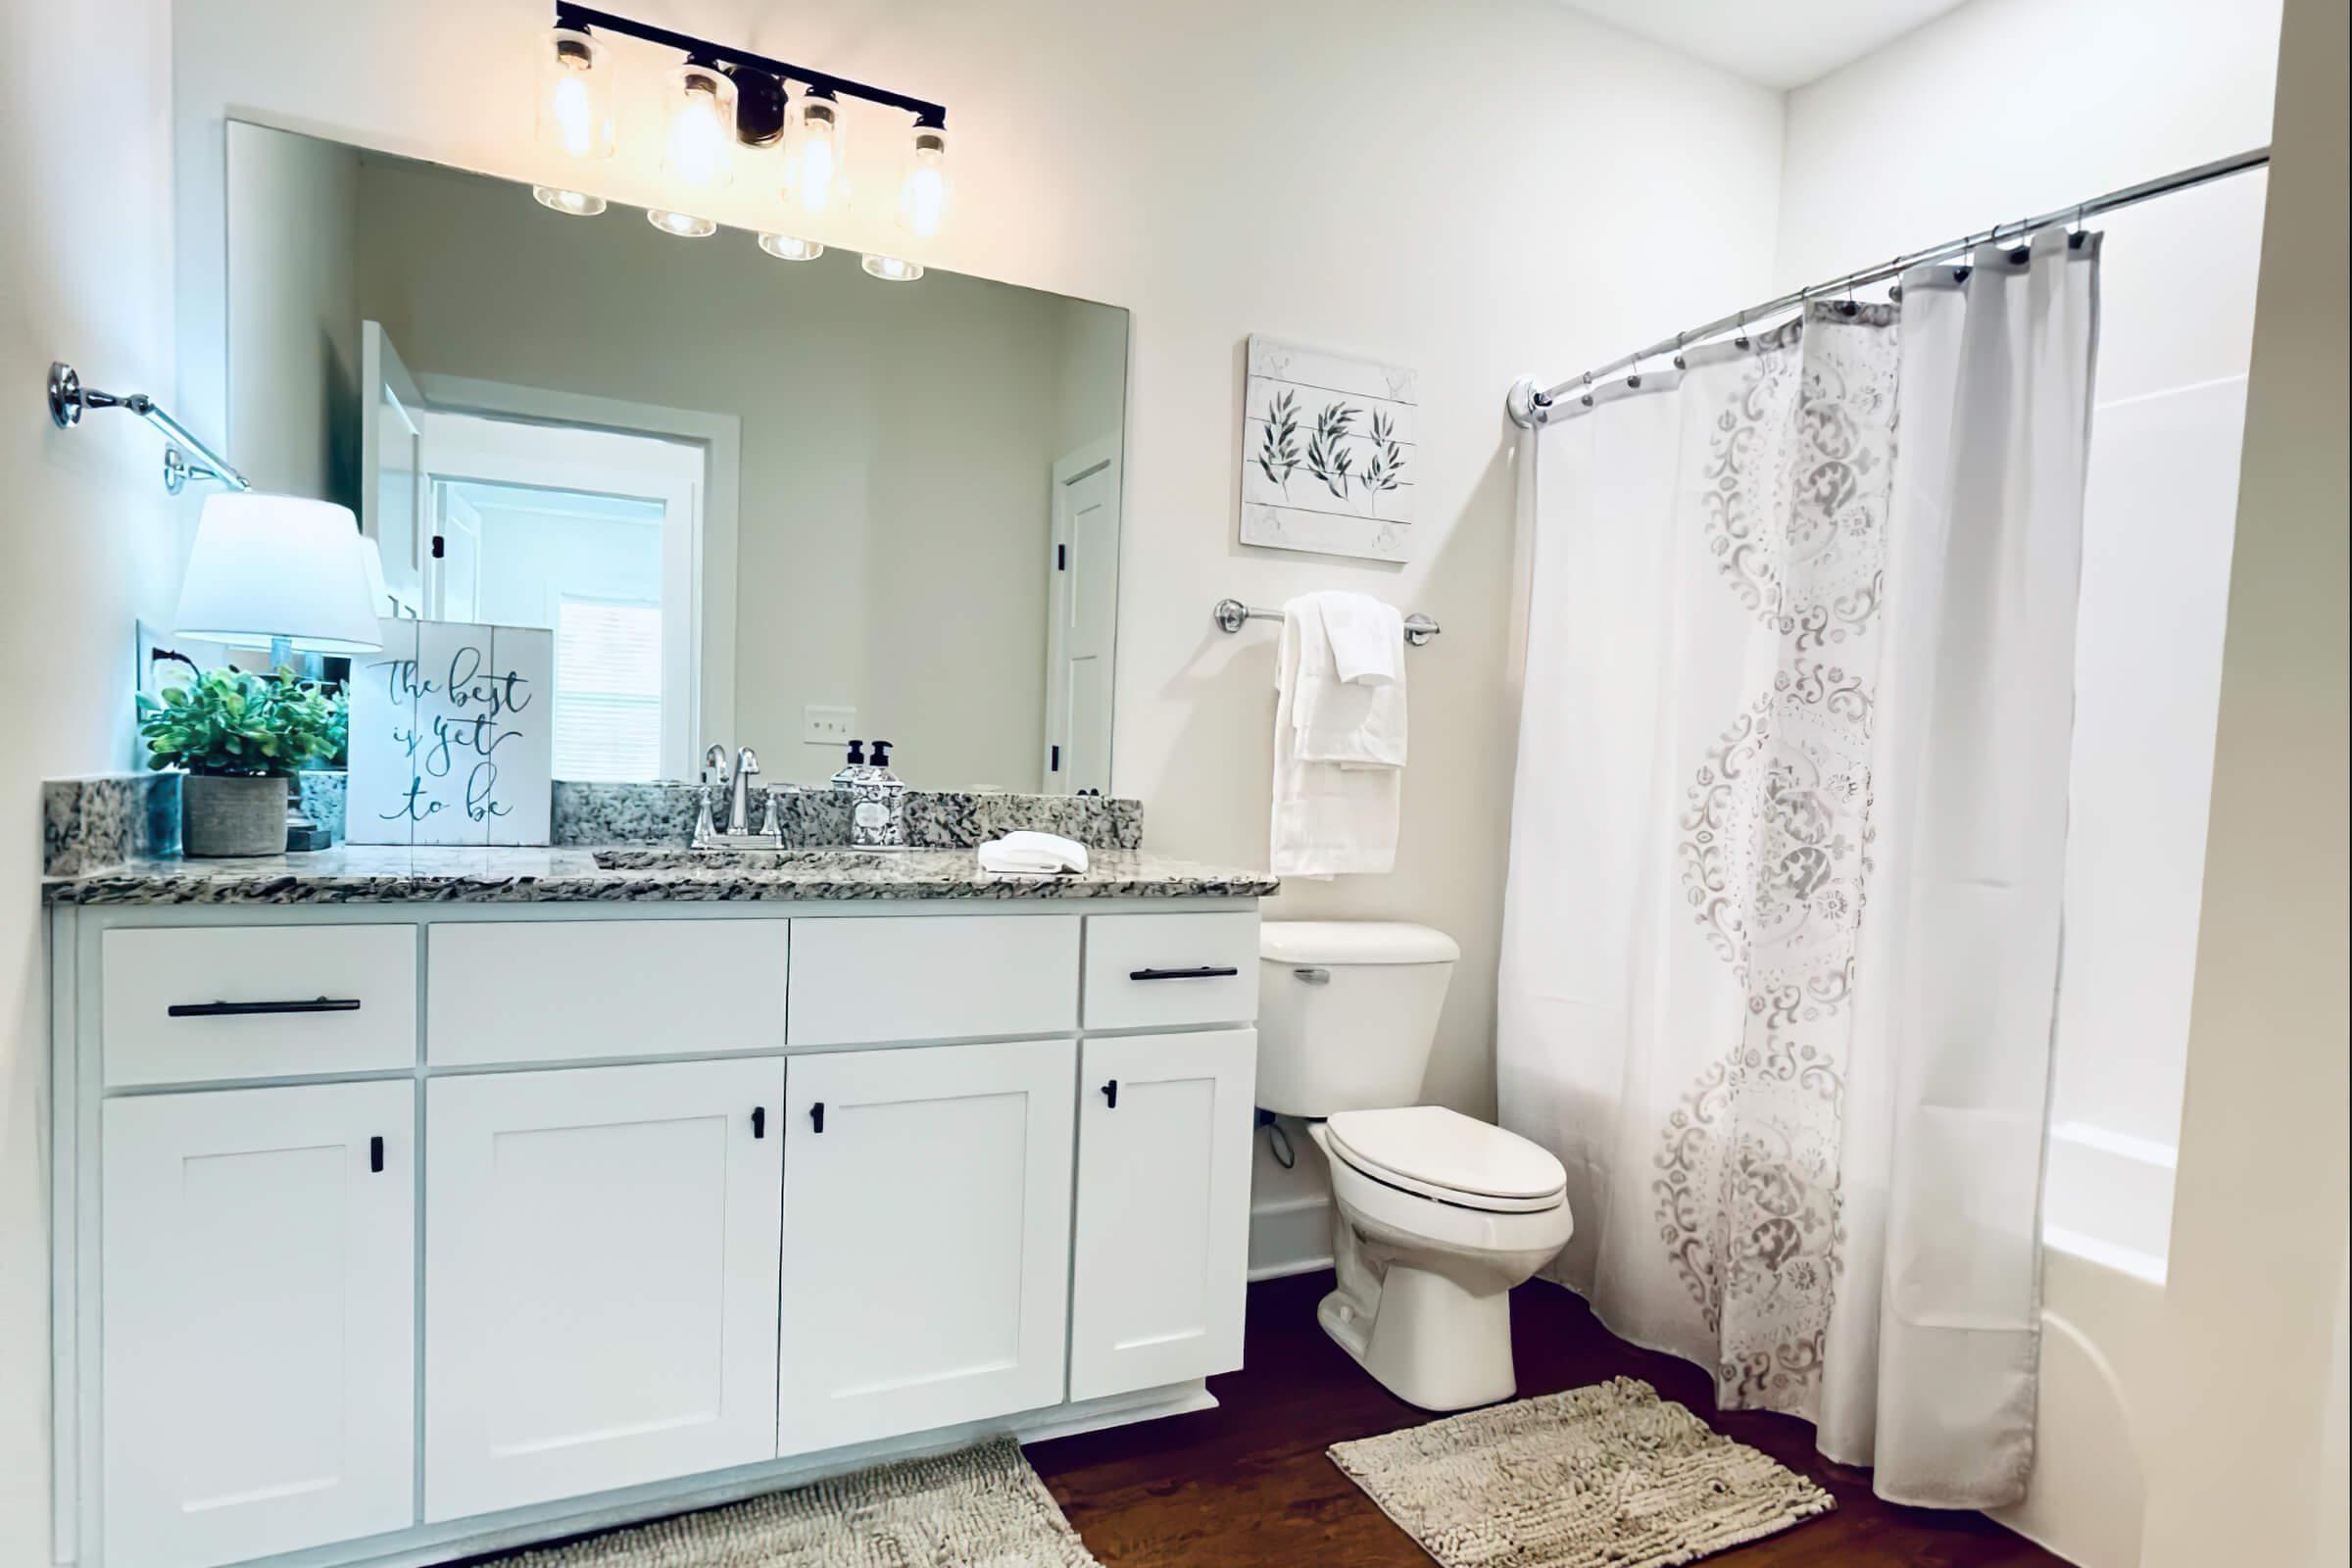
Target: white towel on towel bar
[1337,797]
[1349,701]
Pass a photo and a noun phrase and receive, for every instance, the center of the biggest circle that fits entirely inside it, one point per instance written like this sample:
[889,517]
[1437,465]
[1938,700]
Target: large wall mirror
[759,501]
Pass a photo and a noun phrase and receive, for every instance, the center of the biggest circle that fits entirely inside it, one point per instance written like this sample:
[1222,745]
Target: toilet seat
[1441,1154]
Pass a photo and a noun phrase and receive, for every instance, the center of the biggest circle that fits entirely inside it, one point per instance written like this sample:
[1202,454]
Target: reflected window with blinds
[608,690]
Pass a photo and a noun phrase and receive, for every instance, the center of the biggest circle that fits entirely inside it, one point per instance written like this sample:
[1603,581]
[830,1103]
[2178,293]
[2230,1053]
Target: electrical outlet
[827,726]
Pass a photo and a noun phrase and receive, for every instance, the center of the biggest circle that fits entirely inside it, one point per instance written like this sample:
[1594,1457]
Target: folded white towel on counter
[1337,767]
[1027,853]
[1347,703]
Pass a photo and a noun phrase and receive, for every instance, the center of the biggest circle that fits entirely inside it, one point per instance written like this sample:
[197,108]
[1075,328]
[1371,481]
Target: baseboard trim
[1290,1235]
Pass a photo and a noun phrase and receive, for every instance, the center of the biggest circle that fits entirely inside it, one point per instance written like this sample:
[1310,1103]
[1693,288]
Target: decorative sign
[449,735]
[1328,453]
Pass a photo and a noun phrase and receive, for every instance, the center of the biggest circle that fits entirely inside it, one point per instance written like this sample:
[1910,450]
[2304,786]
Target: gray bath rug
[1606,1477]
[979,1508]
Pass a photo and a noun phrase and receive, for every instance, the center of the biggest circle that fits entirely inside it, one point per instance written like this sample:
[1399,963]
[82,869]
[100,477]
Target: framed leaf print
[1329,448]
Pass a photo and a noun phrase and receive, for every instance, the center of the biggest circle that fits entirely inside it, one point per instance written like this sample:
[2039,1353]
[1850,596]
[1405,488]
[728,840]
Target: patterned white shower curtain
[1781,930]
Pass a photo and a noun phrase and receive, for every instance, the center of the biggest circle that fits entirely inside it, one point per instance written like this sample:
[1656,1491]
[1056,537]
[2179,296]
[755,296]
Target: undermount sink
[667,859]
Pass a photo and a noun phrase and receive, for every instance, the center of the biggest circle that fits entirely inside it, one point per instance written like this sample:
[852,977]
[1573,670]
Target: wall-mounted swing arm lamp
[188,458]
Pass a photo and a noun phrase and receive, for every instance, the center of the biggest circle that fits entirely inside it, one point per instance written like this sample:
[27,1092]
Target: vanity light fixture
[575,95]
[789,248]
[577,203]
[721,99]
[683,224]
[890,268]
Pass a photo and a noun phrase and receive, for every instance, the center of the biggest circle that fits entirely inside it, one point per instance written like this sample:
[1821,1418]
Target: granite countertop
[358,874]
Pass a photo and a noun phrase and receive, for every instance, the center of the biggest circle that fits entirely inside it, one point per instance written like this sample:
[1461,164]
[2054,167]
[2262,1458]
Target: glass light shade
[577,203]
[683,224]
[923,193]
[268,567]
[575,96]
[698,141]
[813,177]
[788,248]
[890,268]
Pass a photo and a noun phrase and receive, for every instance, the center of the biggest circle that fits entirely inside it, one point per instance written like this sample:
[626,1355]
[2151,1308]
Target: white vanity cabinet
[601,1271]
[926,1238]
[258,1322]
[391,1233]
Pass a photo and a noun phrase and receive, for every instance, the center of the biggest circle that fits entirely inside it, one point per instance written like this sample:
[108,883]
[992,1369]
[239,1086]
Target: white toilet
[1436,1215]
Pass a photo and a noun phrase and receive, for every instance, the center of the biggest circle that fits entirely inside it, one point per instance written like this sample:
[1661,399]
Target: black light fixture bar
[586,20]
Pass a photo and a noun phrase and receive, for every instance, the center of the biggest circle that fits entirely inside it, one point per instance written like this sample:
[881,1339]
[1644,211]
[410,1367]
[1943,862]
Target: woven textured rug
[979,1508]
[1606,1477]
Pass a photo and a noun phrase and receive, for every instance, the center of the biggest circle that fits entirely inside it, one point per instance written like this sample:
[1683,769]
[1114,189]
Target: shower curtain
[1781,937]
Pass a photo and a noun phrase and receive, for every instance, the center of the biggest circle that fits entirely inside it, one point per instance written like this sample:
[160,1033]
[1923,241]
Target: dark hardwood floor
[1247,1483]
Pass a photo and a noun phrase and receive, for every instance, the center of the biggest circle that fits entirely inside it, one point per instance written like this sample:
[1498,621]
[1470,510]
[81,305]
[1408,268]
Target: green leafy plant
[1278,453]
[1387,457]
[1327,456]
[231,721]
[338,728]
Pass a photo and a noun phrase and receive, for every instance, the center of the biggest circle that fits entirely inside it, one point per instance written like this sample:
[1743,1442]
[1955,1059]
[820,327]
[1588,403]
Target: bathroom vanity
[415,1204]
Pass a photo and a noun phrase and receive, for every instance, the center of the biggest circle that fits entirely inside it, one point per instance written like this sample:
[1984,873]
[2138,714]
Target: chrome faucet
[737,834]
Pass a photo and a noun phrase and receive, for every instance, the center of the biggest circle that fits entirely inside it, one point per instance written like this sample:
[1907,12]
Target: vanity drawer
[933,977]
[1152,971]
[191,1003]
[584,989]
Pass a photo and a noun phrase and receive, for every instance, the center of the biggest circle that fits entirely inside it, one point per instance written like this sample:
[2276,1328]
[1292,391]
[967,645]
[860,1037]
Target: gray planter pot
[223,815]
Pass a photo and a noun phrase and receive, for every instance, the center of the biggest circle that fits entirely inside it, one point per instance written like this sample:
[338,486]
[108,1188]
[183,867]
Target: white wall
[1998,110]
[2248,1464]
[86,275]
[293,317]
[1219,168]
[897,449]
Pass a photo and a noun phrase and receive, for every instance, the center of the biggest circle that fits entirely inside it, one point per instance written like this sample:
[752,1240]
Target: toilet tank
[1346,1012]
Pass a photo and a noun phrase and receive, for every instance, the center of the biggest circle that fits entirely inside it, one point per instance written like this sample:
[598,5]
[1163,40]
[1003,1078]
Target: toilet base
[1429,1341]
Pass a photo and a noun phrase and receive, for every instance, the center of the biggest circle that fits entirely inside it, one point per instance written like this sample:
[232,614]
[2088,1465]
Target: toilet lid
[1444,1155]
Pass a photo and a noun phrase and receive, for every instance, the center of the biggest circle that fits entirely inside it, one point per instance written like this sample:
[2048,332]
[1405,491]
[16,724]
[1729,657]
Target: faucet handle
[747,763]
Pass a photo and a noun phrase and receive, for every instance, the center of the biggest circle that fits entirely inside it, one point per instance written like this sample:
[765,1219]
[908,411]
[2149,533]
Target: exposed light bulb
[577,203]
[698,147]
[683,224]
[814,169]
[890,268]
[576,99]
[789,248]
[923,197]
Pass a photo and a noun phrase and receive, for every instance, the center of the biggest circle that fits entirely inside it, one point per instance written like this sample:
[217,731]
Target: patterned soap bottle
[877,799]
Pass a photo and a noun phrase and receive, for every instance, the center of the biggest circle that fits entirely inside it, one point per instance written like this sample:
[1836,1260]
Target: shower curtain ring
[1741,342]
[1677,352]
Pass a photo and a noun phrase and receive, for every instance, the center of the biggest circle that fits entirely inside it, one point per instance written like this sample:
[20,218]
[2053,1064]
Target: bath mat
[1606,1477]
[978,1508]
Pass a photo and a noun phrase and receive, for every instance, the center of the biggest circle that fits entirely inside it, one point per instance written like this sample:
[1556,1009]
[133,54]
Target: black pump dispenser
[856,754]
[882,752]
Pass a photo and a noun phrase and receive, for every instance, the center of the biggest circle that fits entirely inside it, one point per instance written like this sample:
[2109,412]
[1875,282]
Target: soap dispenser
[877,799]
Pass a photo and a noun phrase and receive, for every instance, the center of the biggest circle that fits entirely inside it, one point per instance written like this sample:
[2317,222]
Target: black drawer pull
[1110,1093]
[759,1121]
[376,1154]
[816,1117]
[1206,971]
[246,1010]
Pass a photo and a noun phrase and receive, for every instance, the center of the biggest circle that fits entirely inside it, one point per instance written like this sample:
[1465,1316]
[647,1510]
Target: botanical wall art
[449,735]
[1328,452]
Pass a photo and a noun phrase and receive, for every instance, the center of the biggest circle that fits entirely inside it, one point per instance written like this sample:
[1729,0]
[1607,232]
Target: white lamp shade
[268,566]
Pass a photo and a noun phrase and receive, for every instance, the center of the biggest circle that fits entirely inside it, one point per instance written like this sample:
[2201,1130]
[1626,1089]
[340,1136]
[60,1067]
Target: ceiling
[1776,43]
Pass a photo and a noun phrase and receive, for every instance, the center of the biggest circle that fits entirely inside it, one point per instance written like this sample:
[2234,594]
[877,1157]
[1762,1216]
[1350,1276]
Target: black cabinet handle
[1206,971]
[759,1121]
[1110,1093]
[816,1117]
[376,1154]
[242,1010]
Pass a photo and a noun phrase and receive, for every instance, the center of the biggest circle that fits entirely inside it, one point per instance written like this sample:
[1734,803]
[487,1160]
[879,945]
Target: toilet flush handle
[1313,977]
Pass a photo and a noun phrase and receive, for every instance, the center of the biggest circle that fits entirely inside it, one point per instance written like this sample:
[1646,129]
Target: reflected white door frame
[1082,570]
[710,567]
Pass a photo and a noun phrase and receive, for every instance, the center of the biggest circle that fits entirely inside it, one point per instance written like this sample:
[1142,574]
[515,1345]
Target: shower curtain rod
[1530,405]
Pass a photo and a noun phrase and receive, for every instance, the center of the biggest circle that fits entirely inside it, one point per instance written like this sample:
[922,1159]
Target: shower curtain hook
[1741,342]
[1677,352]
[1851,306]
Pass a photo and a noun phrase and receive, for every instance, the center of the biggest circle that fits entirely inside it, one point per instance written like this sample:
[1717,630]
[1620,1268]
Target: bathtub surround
[1609,1476]
[1804,1139]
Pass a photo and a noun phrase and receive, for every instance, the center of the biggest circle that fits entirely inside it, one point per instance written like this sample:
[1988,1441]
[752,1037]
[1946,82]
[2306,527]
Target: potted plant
[240,737]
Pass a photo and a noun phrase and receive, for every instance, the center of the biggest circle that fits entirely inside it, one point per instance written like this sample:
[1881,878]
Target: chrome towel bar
[1231,613]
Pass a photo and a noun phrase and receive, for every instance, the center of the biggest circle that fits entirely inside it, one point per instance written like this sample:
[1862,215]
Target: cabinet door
[600,1279]
[1163,1209]
[926,1238]
[259,1320]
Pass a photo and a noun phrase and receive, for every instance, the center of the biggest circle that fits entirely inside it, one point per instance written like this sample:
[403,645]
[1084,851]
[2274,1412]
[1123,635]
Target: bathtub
[2106,1218]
